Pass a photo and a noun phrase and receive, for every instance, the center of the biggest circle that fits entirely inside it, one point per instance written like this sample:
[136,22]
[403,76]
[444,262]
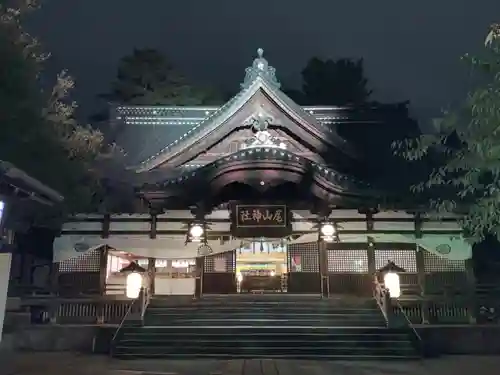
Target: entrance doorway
[262,267]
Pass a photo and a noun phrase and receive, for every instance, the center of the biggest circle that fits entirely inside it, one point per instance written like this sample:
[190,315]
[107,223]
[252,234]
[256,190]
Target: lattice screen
[223,262]
[303,257]
[347,261]
[434,263]
[86,262]
[406,259]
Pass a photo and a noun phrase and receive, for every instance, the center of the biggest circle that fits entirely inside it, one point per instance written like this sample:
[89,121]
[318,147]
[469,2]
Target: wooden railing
[383,299]
[449,307]
[437,310]
[92,312]
[80,310]
[415,336]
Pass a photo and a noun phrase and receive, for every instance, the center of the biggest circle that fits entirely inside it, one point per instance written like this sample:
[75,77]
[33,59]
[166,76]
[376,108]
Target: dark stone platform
[66,363]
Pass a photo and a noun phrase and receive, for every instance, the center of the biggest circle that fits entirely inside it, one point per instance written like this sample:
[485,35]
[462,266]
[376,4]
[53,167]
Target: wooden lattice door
[219,273]
[303,268]
[82,274]
[348,271]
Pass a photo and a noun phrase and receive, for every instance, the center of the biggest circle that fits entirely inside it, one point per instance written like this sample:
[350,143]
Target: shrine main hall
[262,195]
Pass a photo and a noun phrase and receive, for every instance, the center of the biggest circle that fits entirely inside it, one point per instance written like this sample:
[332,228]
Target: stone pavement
[71,364]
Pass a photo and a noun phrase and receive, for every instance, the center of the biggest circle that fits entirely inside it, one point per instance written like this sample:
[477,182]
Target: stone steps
[264,327]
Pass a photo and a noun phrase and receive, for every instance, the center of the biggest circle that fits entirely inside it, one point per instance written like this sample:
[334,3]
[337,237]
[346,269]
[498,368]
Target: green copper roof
[151,131]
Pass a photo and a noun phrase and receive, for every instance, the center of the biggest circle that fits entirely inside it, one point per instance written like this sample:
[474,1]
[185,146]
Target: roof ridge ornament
[262,137]
[260,68]
[260,122]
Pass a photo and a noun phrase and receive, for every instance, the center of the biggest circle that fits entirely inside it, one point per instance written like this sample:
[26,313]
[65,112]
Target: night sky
[411,48]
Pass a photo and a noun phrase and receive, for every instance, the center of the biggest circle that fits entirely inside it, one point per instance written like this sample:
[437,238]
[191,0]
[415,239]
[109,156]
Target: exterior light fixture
[391,278]
[196,232]
[328,232]
[133,284]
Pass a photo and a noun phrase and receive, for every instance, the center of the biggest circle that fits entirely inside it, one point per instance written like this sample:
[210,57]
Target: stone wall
[48,338]
[439,340]
[461,339]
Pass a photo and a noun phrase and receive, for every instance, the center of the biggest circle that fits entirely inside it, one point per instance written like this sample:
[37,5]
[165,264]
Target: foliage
[85,149]
[329,82]
[39,133]
[465,150]
[146,77]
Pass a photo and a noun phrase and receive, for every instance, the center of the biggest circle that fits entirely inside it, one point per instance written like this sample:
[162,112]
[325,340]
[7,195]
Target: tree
[38,130]
[146,77]
[329,82]
[465,150]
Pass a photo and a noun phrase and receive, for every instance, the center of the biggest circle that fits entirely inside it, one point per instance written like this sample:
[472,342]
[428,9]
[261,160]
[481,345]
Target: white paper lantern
[391,281]
[239,277]
[134,284]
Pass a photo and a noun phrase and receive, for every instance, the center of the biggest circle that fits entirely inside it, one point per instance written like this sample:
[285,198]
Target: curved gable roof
[337,182]
[258,77]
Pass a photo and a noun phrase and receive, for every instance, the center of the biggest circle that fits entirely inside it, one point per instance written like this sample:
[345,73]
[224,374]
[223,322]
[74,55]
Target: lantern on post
[390,273]
[133,283]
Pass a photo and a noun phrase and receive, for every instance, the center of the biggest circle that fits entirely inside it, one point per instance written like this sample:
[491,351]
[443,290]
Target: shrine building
[262,194]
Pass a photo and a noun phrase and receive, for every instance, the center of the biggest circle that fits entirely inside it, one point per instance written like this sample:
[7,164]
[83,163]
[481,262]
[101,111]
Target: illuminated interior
[172,276]
[261,266]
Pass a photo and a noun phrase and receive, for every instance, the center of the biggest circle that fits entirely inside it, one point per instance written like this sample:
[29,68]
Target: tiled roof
[150,132]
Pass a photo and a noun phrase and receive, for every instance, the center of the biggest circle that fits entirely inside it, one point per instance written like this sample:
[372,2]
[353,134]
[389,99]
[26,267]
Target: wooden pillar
[103,268]
[370,252]
[471,291]
[54,291]
[54,279]
[152,274]
[199,277]
[419,256]
[26,278]
[152,261]
[106,224]
[424,306]
[154,225]
[323,268]
[370,249]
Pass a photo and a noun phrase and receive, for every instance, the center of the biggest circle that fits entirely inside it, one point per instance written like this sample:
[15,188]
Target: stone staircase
[247,326]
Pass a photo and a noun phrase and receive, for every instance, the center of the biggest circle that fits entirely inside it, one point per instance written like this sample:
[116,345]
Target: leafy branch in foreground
[38,130]
[463,155]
